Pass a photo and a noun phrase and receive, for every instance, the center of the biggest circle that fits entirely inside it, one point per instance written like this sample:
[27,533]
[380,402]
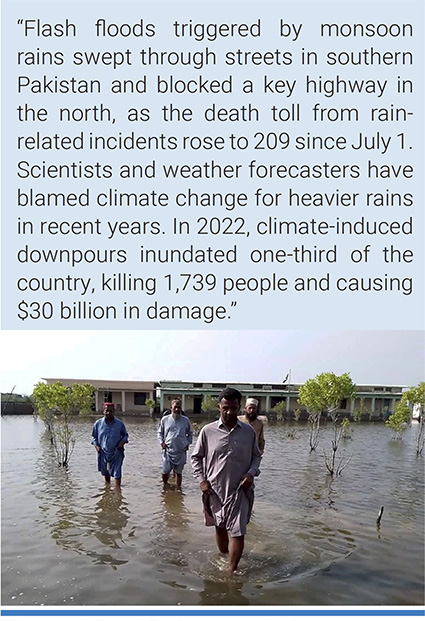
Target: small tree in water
[310,395]
[346,428]
[361,414]
[151,404]
[297,413]
[41,399]
[414,398]
[337,388]
[209,405]
[399,420]
[280,410]
[325,393]
[56,403]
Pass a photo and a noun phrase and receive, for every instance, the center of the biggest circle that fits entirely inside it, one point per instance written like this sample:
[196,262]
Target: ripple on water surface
[67,539]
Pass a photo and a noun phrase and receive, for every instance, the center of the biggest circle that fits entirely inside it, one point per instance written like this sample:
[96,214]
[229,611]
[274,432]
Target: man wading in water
[250,416]
[174,435]
[225,460]
[109,436]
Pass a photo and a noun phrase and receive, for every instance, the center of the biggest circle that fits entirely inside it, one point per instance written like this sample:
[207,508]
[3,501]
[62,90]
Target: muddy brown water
[69,540]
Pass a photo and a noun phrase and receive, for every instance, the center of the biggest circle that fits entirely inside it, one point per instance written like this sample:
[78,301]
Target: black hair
[230,394]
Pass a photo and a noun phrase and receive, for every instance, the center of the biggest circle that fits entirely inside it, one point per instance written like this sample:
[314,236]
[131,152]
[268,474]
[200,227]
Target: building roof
[106,384]
[170,385]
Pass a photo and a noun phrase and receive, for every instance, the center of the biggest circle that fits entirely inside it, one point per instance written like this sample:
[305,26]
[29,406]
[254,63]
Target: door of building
[197,405]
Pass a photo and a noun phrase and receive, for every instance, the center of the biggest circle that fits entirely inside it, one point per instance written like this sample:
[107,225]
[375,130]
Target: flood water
[69,540]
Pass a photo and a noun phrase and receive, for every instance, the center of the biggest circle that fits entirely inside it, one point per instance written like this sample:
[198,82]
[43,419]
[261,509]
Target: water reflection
[56,493]
[74,523]
[172,530]
[112,514]
[227,593]
[308,538]
[175,513]
[77,530]
[66,525]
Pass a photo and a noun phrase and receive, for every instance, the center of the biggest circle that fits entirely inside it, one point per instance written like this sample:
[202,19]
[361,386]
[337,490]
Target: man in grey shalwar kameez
[174,435]
[225,460]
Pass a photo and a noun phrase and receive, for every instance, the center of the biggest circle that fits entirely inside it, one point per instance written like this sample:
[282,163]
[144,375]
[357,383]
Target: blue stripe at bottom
[210,613]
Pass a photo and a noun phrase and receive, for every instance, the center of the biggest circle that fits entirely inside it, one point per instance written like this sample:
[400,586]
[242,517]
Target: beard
[251,415]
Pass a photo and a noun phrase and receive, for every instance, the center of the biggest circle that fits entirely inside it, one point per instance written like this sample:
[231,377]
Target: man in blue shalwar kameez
[174,435]
[109,436]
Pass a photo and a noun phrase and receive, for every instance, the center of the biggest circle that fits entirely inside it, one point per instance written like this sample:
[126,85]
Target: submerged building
[372,402]
[128,396]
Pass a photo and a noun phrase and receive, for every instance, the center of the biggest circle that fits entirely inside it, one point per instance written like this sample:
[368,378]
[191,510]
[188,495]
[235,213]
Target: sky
[371,357]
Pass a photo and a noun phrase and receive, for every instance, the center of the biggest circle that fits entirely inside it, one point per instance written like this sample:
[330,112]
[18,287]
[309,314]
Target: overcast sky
[387,357]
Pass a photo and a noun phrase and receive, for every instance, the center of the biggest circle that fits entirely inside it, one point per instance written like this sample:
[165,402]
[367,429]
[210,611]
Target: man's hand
[121,445]
[97,447]
[247,481]
[163,445]
[205,487]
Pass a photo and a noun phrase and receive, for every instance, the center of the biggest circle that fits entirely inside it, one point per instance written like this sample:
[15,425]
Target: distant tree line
[10,397]
[56,404]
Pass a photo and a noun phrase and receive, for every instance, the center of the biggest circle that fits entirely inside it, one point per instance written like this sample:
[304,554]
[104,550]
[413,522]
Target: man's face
[176,409]
[108,412]
[229,410]
[251,412]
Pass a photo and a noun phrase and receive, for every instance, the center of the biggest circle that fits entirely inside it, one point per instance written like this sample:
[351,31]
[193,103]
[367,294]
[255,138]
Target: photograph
[212,309]
[221,468]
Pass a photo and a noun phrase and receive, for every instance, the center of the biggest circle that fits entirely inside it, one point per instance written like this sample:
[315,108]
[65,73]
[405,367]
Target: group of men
[225,460]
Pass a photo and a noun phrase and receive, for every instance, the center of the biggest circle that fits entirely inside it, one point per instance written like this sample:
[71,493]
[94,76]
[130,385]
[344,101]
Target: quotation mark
[232,304]
[20,22]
